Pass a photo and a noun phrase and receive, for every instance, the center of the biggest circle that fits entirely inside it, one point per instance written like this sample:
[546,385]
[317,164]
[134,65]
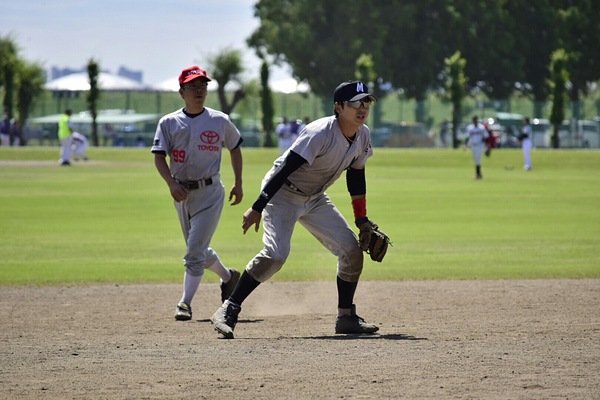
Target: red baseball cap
[191,73]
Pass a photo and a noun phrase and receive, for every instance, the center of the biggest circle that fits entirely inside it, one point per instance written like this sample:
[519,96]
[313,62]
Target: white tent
[168,85]
[113,117]
[289,85]
[81,82]
[172,85]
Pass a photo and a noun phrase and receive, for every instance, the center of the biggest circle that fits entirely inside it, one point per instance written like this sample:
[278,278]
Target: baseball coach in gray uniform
[293,190]
[193,138]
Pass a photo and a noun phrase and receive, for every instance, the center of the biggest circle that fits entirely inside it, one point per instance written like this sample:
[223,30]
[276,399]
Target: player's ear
[337,107]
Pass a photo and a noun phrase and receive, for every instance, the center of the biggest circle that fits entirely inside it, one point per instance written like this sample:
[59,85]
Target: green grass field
[111,220]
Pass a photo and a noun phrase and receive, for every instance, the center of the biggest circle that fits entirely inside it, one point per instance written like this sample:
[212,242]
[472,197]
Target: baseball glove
[371,240]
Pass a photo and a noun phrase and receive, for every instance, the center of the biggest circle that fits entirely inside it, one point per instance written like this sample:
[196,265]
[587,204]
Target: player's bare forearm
[251,217]
[237,192]
[237,165]
[160,162]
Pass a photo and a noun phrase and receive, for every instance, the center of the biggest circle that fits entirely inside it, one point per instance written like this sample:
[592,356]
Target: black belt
[193,185]
[292,186]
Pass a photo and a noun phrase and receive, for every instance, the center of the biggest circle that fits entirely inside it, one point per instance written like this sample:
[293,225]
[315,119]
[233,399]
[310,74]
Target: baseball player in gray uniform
[293,190]
[477,136]
[193,138]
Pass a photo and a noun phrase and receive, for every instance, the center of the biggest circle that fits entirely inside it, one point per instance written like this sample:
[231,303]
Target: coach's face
[194,94]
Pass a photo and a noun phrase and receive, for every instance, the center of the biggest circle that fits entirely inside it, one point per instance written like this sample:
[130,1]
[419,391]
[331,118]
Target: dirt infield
[437,340]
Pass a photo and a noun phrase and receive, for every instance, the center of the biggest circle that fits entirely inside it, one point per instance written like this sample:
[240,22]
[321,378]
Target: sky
[158,37]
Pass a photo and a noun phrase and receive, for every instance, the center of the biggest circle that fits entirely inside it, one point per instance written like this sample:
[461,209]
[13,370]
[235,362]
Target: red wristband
[360,208]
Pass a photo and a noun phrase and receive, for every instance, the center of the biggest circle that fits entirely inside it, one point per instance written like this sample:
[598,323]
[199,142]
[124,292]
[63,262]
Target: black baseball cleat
[353,324]
[183,312]
[227,287]
[225,318]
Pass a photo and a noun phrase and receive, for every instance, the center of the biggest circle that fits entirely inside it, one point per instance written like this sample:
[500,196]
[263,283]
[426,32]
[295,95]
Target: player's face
[194,93]
[355,113]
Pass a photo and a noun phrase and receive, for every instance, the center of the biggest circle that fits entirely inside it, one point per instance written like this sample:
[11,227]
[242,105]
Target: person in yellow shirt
[65,132]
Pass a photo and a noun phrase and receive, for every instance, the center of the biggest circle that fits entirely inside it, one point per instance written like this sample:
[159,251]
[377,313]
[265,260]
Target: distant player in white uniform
[79,144]
[477,137]
[284,135]
[193,139]
[293,190]
[526,139]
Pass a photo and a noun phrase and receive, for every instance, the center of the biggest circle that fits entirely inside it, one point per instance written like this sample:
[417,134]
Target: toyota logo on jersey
[209,139]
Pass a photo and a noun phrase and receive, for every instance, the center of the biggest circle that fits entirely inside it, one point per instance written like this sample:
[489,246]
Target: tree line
[22,83]
[501,46]
[544,49]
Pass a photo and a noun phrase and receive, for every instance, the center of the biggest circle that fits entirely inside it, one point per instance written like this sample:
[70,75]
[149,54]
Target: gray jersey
[328,153]
[194,145]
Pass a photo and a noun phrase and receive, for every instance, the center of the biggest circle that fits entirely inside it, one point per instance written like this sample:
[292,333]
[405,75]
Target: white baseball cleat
[225,318]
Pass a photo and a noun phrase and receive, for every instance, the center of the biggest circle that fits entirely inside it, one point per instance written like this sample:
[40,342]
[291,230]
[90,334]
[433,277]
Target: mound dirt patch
[460,339]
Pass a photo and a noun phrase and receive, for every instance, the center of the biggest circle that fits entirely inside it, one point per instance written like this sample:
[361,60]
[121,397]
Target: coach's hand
[178,192]
[238,193]
[251,217]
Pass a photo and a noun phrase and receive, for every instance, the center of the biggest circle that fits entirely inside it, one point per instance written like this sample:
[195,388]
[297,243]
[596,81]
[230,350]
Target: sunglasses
[357,103]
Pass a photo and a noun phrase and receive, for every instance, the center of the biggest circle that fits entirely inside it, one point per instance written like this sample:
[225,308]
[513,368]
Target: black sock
[244,287]
[345,293]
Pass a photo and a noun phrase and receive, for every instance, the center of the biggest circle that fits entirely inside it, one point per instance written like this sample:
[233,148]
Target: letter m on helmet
[360,87]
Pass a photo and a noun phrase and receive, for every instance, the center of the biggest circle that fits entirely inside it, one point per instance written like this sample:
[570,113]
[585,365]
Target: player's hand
[250,218]
[238,193]
[178,192]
